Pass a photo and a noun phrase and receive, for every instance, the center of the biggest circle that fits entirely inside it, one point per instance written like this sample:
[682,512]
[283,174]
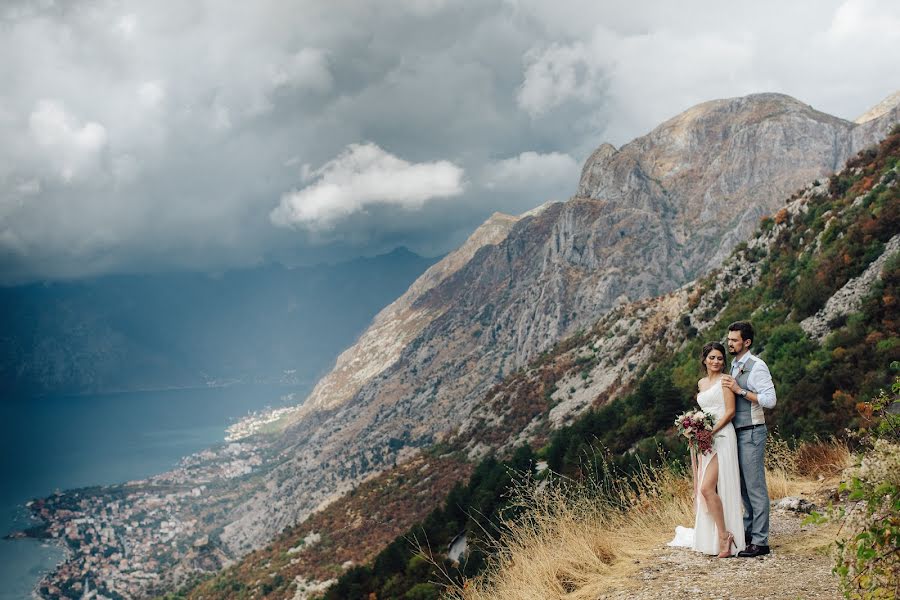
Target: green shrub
[868,556]
[423,591]
[868,559]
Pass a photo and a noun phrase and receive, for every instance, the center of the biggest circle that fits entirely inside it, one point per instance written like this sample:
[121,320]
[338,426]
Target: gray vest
[742,407]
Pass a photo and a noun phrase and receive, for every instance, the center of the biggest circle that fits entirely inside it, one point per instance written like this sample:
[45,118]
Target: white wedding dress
[704,537]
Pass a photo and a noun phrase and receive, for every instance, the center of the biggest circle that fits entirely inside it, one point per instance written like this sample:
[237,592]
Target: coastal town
[133,539]
[257,422]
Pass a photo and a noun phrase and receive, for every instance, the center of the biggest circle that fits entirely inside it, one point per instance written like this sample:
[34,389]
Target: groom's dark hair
[745,328]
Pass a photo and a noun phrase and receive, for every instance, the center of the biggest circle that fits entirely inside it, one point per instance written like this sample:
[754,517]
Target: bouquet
[696,426]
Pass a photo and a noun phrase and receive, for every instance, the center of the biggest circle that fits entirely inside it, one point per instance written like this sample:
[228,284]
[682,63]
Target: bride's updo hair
[707,348]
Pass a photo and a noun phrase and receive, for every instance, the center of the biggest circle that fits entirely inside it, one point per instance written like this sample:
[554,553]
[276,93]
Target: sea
[63,442]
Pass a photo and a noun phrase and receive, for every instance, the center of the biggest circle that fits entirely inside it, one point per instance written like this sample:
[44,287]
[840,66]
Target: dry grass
[577,540]
[574,538]
[816,540]
[789,470]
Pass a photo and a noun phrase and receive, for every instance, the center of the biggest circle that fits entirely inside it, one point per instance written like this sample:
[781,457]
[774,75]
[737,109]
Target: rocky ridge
[706,176]
[849,297]
[667,172]
[629,340]
[624,343]
[398,324]
[885,106]
[646,219]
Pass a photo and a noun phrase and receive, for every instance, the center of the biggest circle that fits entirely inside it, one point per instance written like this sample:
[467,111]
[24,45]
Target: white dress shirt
[759,381]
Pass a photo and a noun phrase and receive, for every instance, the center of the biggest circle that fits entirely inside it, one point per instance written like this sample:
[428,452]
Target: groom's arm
[762,390]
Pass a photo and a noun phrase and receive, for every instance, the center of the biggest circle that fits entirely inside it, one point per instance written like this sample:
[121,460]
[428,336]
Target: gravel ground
[794,570]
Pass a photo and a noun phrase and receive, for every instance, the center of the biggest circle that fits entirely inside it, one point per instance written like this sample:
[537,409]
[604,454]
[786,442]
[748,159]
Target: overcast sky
[210,135]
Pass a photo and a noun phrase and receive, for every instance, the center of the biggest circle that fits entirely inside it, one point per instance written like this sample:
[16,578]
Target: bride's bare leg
[713,502]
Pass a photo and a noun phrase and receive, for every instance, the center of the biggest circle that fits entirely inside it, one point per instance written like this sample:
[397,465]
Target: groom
[753,389]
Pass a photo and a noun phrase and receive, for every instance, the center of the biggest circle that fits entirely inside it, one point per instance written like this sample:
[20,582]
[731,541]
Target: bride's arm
[729,411]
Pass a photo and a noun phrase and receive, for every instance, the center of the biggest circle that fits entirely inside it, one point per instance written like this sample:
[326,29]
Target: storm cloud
[361,175]
[193,134]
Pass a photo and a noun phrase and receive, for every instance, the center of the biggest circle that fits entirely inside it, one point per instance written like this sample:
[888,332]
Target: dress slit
[705,459]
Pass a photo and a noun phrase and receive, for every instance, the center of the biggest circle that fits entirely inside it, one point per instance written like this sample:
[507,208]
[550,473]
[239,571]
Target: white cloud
[864,19]
[307,69]
[557,74]
[531,169]
[72,145]
[220,116]
[641,78]
[360,176]
[51,125]
[151,93]
[31,187]
[126,26]
[173,123]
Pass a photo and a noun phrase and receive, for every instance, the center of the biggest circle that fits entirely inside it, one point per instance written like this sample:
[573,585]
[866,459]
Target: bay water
[64,442]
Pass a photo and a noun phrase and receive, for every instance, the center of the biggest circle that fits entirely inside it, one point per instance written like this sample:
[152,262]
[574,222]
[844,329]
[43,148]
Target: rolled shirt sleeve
[760,383]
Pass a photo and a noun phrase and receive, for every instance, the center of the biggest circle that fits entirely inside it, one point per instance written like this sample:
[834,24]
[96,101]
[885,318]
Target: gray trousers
[751,445]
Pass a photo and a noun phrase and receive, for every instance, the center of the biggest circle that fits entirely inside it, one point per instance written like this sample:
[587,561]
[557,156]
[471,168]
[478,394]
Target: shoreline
[130,537]
[173,388]
[142,533]
[36,534]
[67,556]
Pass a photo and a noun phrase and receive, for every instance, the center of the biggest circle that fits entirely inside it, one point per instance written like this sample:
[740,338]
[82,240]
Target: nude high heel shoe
[729,542]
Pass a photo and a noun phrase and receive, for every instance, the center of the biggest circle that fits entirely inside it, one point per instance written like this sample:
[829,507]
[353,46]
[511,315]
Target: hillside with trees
[825,240]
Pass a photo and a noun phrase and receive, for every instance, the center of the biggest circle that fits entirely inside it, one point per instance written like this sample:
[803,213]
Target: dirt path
[798,568]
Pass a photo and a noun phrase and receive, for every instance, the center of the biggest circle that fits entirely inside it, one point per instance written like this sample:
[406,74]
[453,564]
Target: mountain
[820,280]
[648,217]
[164,330]
[572,306]
[886,106]
[400,322]
[703,179]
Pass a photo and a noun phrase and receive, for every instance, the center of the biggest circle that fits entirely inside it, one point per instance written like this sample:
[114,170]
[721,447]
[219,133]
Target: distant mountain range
[125,332]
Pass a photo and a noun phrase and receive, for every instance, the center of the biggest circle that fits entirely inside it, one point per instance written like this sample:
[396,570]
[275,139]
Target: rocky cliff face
[626,341]
[647,218]
[666,206]
[398,324]
[888,105]
[706,176]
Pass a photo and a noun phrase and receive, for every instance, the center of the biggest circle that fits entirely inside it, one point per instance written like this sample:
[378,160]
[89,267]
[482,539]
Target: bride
[718,525]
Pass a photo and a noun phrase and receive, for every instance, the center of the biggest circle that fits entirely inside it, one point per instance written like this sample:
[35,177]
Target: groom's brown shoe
[753,550]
